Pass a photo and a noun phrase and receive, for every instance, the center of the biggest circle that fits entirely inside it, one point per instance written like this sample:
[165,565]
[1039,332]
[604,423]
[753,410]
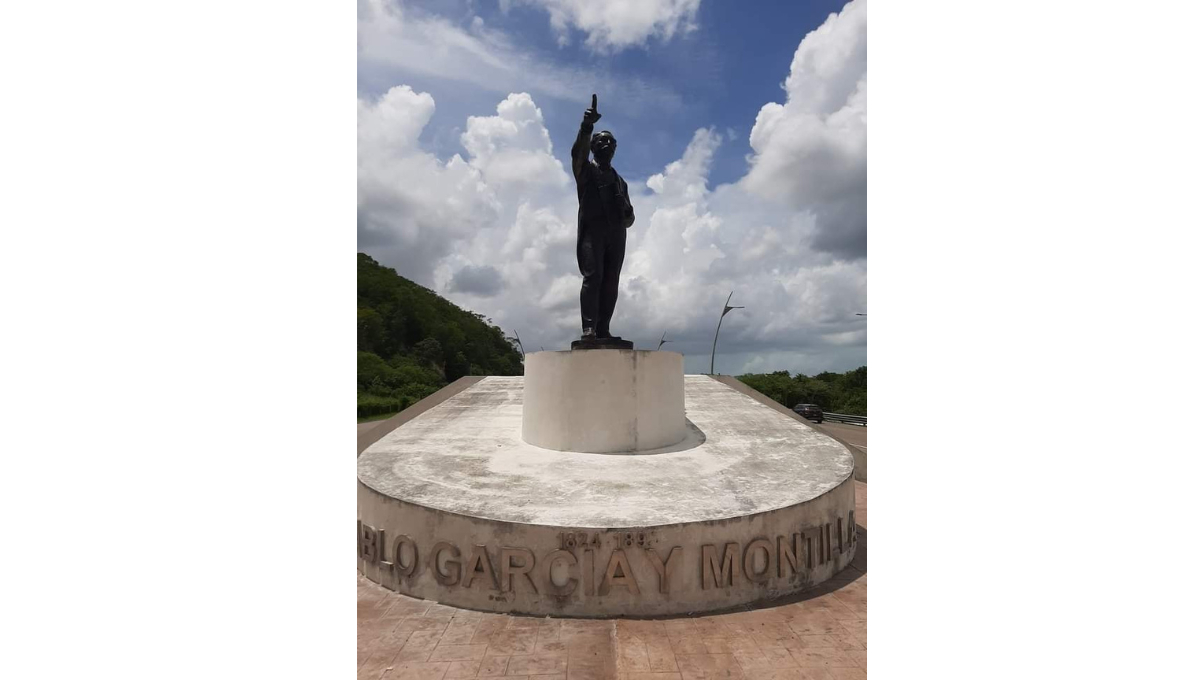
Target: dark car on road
[810,411]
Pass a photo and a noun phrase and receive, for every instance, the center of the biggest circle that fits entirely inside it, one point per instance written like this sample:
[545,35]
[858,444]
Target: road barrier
[846,418]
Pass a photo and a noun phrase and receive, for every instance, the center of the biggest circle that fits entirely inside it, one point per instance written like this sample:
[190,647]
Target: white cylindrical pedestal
[603,400]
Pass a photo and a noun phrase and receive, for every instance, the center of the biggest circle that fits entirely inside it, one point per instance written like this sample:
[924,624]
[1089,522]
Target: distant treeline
[412,342]
[833,392]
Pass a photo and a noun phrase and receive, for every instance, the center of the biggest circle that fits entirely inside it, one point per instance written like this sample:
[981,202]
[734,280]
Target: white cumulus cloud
[412,205]
[811,151]
[618,24]
[396,40]
[512,149]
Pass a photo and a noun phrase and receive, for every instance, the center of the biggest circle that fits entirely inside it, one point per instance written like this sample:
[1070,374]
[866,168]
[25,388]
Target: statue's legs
[589,250]
[614,257]
[601,252]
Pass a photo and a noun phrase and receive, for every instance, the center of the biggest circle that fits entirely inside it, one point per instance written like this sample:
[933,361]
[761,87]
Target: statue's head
[604,145]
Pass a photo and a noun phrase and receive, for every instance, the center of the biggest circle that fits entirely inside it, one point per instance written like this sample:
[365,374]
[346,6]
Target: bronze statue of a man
[604,215]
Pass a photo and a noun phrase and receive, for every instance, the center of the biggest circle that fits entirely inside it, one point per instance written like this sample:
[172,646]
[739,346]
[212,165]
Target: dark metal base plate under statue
[602,343]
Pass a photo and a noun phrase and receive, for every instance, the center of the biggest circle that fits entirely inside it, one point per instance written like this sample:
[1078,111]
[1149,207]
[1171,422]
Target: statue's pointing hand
[591,115]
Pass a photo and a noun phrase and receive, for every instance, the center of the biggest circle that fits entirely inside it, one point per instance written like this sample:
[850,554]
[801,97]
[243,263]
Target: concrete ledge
[860,456]
[454,507]
[385,426]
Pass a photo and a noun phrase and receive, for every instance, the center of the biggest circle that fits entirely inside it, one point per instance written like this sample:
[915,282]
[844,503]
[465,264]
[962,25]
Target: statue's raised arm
[579,151]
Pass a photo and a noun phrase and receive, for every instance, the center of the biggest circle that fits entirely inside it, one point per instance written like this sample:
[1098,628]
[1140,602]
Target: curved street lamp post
[727,309]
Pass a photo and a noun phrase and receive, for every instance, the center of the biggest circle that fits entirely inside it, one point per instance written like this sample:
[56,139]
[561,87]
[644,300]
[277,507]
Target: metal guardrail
[846,418]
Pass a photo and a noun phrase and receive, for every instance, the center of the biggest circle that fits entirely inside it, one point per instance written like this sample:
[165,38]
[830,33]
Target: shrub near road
[412,342]
[833,392]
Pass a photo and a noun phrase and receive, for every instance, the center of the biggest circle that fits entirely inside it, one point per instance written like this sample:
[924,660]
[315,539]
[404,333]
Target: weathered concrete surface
[830,430]
[603,400]
[466,456]
[369,433]
[454,507]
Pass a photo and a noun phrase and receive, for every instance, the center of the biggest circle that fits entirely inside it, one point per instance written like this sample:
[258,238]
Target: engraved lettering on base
[664,570]
[617,562]
[508,569]
[480,564]
[729,566]
[548,565]
[453,575]
[828,544]
[791,557]
[397,559]
[368,543]
[383,563]
[748,561]
[788,555]
[589,572]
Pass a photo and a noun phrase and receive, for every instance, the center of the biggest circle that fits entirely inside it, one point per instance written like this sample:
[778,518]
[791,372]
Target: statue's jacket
[603,194]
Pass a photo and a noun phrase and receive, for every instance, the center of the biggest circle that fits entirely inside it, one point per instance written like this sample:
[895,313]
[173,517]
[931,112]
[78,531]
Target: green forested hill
[833,392]
[412,342]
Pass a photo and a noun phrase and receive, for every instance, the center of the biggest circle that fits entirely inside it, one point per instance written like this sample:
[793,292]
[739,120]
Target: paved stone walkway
[822,637]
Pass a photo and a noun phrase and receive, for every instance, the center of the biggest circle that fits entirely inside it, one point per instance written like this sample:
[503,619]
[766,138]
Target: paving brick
[536,665]
[859,657]
[463,669]
[511,641]
[692,644]
[658,651]
[822,657]
[766,658]
[703,666]
[631,654]
[493,666]
[445,652]
[550,647]
[418,671]
[376,664]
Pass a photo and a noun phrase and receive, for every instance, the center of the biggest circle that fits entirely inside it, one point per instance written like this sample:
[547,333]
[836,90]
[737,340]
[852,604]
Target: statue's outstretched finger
[593,102]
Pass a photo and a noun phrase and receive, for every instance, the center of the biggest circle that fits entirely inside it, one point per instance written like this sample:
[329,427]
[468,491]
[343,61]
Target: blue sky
[741,129]
[721,73]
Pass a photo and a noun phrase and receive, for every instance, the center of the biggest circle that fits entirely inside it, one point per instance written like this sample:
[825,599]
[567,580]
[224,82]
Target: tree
[833,392]
[411,341]
[429,351]
[370,331]
[457,367]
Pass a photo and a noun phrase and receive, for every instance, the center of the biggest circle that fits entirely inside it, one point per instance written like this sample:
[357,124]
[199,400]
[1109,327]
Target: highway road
[855,435]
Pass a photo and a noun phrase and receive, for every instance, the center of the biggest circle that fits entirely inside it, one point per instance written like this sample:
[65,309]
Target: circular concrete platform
[455,507]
